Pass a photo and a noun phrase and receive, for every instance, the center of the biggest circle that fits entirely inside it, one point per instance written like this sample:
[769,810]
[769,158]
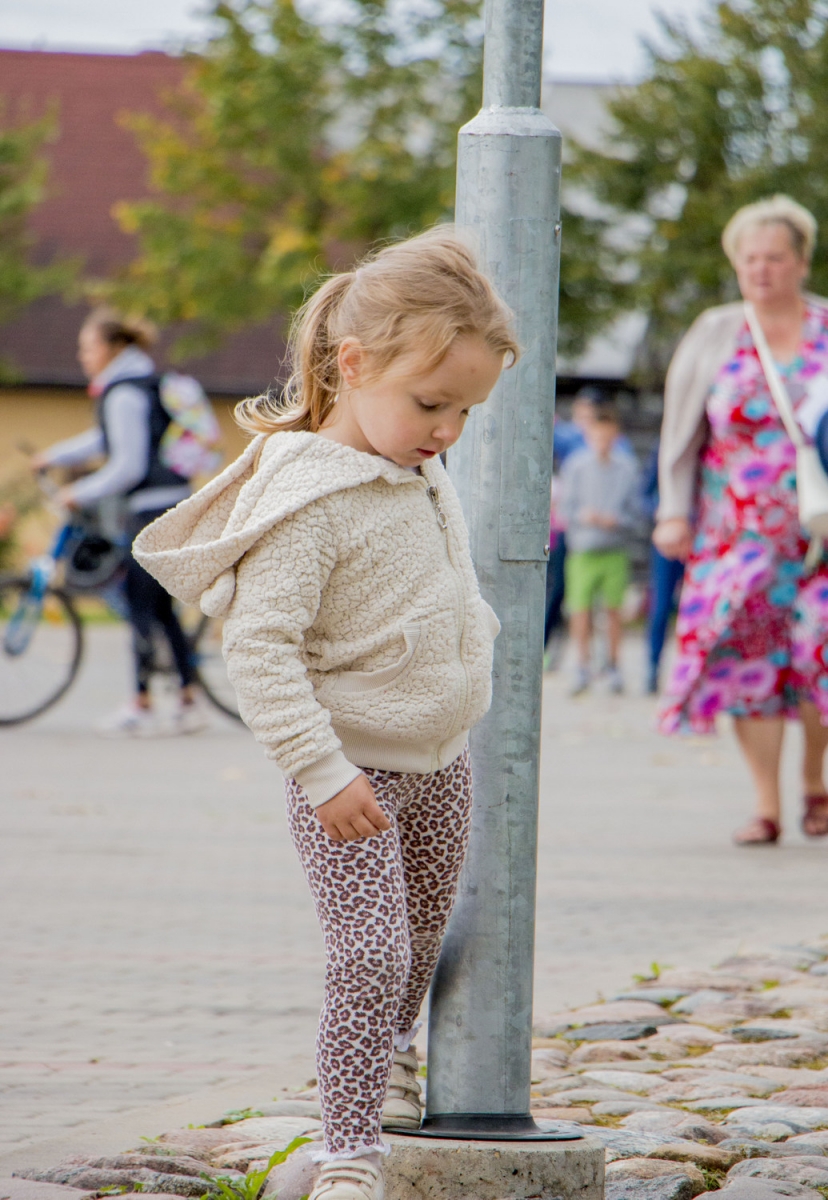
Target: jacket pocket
[372,681]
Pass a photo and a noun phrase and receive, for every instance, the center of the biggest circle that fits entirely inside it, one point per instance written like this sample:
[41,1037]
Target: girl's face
[93,352]
[768,267]
[407,415]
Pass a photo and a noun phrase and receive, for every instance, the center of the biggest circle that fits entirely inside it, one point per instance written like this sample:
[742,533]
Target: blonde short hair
[775,210]
[415,296]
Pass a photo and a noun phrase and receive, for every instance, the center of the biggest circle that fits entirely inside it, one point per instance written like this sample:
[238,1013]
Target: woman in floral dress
[753,619]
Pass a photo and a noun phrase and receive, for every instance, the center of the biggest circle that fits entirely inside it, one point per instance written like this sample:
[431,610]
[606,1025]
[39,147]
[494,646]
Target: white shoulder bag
[811,480]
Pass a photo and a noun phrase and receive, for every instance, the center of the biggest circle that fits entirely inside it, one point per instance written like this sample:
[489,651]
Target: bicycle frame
[23,622]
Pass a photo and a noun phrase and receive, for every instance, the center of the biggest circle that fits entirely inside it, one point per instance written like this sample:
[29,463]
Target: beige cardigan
[354,631]
[704,349]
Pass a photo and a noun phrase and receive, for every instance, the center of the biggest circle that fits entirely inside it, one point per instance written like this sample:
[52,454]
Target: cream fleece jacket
[354,633]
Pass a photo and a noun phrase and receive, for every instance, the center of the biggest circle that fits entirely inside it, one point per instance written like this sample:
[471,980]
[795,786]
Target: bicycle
[42,638]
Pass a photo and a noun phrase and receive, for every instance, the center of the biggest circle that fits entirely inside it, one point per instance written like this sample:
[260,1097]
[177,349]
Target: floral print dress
[753,623]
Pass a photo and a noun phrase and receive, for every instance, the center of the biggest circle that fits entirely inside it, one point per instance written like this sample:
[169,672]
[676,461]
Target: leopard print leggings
[383,903]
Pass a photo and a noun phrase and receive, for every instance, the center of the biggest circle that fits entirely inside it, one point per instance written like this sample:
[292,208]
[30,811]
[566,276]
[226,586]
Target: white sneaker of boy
[615,681]
[403,1100]
[349,1179]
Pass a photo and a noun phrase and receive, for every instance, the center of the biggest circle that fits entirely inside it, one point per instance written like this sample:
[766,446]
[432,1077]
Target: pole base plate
[487,1127]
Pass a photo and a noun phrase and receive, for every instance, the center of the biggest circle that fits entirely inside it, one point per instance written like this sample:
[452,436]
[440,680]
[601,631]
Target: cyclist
[113,353]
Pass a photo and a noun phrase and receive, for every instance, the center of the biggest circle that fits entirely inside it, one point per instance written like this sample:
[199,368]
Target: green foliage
[240,1114]
[296,140]
[654,973]
[251,1187]
[23,182]
[725,116]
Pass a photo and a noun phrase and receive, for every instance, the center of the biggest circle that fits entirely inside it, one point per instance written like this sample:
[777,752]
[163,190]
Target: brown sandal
[761,831]
[815,816]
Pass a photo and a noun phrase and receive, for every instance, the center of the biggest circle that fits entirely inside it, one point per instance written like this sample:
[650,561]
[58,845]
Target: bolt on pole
[508,183]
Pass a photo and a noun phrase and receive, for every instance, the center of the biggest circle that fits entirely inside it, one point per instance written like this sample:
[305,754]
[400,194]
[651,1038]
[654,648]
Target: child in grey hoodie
[600,508]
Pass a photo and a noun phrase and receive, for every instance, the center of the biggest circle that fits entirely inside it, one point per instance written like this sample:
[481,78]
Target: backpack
[189,445]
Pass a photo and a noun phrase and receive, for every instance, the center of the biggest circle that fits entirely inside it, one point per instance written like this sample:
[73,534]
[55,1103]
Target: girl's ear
[350,361]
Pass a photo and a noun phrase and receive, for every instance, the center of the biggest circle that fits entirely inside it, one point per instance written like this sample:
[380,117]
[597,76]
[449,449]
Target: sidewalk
[160,941]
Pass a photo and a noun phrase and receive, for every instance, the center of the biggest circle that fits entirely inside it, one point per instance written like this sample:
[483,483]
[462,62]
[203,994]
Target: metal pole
[480,1031]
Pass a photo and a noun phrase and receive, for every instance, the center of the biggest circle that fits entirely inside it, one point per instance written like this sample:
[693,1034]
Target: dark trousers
[150,606]
[554,587]
[666,575]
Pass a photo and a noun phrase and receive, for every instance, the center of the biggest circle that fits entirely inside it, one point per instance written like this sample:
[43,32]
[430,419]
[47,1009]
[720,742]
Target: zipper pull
[434,497]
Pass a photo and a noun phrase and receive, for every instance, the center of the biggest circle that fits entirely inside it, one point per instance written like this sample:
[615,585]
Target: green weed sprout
[252,1186]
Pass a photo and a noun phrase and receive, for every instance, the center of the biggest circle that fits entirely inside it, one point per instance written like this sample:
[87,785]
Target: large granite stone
[763,1189]
[652,1179]
[803,1169]
[30,1189]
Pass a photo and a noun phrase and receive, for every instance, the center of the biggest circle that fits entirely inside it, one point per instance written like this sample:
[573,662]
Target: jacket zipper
[434,496]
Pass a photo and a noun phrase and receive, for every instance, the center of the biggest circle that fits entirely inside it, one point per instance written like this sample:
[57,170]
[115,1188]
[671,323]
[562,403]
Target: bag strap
[777,388]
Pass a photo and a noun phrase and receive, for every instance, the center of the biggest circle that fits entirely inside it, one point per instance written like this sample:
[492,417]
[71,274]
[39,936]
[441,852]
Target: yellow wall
[36,417]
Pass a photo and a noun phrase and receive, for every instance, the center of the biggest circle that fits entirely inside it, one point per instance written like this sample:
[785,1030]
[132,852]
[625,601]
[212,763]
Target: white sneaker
[403,1100]
[349,1179]
[129,721]
[580,682]
[615,681]
[188,718]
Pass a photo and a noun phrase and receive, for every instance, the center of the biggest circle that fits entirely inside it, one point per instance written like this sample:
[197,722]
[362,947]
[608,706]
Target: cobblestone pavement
[157,938]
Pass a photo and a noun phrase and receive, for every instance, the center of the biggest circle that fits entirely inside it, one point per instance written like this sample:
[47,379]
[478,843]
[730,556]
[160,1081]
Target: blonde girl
[359,645]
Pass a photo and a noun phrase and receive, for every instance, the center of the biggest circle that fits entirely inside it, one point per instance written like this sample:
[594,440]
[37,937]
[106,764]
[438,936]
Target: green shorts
[594,574]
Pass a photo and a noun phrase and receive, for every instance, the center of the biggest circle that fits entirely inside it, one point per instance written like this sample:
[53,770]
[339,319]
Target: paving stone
[626,1143]
[548,1059]
[700,1131]
[592,1095]
[752,1148]
[817,1137]
[201,1141]
[658,1120]
[807,1118]
[691,1034]
[96,1179]
[731,1081]
[763,1189]
[606,1052]
[652,1178]
[805,1097]
[700,999]
[760,968]
[669,1187]
[29,1189]
[739,1102]
[630,1031]
[294,1178]
[297,1108]
[803,1169]
[629,1081]
[696,981]
[797,1053]
[711,1157]
[653,995]
[622,1108]
[754,1033]
[615,1012]
[771,1131]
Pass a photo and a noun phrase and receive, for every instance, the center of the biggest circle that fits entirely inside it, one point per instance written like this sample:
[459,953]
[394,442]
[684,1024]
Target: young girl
[359,645]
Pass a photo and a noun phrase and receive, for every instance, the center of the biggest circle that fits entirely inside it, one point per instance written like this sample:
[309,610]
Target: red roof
[94,163]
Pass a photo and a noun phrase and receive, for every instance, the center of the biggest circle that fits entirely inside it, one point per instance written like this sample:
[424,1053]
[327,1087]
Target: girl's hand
[65,497]
[353,813]
[674,538]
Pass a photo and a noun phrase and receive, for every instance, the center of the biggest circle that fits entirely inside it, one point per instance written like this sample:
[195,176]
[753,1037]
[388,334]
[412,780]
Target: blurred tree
[23,185]
[725,116]
[297,139]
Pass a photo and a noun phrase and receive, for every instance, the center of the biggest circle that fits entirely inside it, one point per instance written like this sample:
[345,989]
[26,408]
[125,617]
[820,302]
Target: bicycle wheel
[210,666]
[41,646]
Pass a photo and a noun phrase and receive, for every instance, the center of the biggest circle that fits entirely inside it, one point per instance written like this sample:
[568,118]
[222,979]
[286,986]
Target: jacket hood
[192,550]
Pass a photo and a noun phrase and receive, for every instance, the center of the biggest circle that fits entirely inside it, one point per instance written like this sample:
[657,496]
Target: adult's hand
[353,813]
[674,538]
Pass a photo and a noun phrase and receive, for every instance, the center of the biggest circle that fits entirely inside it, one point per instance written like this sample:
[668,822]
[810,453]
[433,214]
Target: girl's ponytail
[412,297]
[311,391]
